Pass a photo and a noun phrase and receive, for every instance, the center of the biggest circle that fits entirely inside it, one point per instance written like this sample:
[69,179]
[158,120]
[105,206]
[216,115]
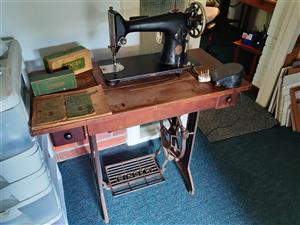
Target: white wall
[43,23]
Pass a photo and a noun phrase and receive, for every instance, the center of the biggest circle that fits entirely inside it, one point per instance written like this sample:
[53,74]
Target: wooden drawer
[227,100]
[68,136]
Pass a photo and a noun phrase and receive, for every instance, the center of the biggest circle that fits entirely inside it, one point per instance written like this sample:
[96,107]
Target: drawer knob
[228,99]
[68,136]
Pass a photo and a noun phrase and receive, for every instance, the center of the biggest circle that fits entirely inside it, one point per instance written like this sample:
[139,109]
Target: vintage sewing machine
[175,27]
[176,140]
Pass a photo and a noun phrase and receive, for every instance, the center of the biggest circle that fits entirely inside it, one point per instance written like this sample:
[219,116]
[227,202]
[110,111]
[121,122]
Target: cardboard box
[77,59]
[52,82]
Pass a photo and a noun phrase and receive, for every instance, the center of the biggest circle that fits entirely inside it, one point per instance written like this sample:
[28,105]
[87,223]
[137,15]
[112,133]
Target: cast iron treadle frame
[183,164]
[133,174]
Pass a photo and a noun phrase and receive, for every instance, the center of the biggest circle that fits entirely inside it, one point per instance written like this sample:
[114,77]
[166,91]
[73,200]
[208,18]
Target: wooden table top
[144,102]
[248,48]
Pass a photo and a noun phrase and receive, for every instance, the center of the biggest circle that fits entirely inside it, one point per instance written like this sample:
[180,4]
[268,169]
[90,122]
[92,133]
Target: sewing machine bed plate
[141,67]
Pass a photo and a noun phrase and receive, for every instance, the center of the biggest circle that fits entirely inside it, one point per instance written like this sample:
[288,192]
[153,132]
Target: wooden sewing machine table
[155,100]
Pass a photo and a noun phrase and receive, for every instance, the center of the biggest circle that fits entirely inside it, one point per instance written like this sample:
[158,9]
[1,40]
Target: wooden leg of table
[184,164]
[236,54]
[253,67]
[99,178]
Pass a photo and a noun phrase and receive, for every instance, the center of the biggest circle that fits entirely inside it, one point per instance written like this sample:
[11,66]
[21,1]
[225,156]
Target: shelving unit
[30,193]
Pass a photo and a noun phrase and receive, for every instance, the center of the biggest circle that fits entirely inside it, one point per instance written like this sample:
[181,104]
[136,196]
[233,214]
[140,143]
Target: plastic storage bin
[60,221]
[56,177]
[23,189]
[43,208]
[21,165]
[28,195]
[15,135]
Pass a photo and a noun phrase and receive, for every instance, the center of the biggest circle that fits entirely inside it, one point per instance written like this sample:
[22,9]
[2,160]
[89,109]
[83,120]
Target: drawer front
[227,100]
[68,136]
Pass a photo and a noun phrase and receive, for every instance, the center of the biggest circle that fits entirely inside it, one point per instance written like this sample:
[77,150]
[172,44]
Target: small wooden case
[46,83]
[77,59]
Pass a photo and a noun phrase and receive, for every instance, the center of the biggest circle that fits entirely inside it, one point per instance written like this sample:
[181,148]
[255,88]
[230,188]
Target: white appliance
[31,190]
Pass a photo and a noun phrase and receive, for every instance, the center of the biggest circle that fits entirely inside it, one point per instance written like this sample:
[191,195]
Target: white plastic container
[27,194]
[21,165]
[43,208]
[14,135]
[61,221]
[23,189]
[56,177]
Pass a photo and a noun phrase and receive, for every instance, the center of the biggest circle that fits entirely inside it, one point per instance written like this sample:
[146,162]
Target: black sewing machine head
[174,25]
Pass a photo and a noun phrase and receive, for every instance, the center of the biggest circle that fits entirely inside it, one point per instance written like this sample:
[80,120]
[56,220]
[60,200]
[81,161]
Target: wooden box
[47,83]
[77,59]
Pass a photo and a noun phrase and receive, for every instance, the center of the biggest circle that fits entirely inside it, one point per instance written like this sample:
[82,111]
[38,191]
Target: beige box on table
[77,59]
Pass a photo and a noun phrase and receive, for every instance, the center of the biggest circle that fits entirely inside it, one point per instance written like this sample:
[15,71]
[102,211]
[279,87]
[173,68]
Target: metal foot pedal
[133,174]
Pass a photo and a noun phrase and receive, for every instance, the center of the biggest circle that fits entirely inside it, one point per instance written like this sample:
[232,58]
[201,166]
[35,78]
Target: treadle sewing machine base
[142,172]
[137,173]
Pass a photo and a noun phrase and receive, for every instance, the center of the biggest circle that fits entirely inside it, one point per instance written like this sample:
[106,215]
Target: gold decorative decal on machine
[178,49]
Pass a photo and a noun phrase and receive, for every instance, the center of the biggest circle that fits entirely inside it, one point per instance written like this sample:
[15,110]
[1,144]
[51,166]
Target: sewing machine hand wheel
[197,18]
